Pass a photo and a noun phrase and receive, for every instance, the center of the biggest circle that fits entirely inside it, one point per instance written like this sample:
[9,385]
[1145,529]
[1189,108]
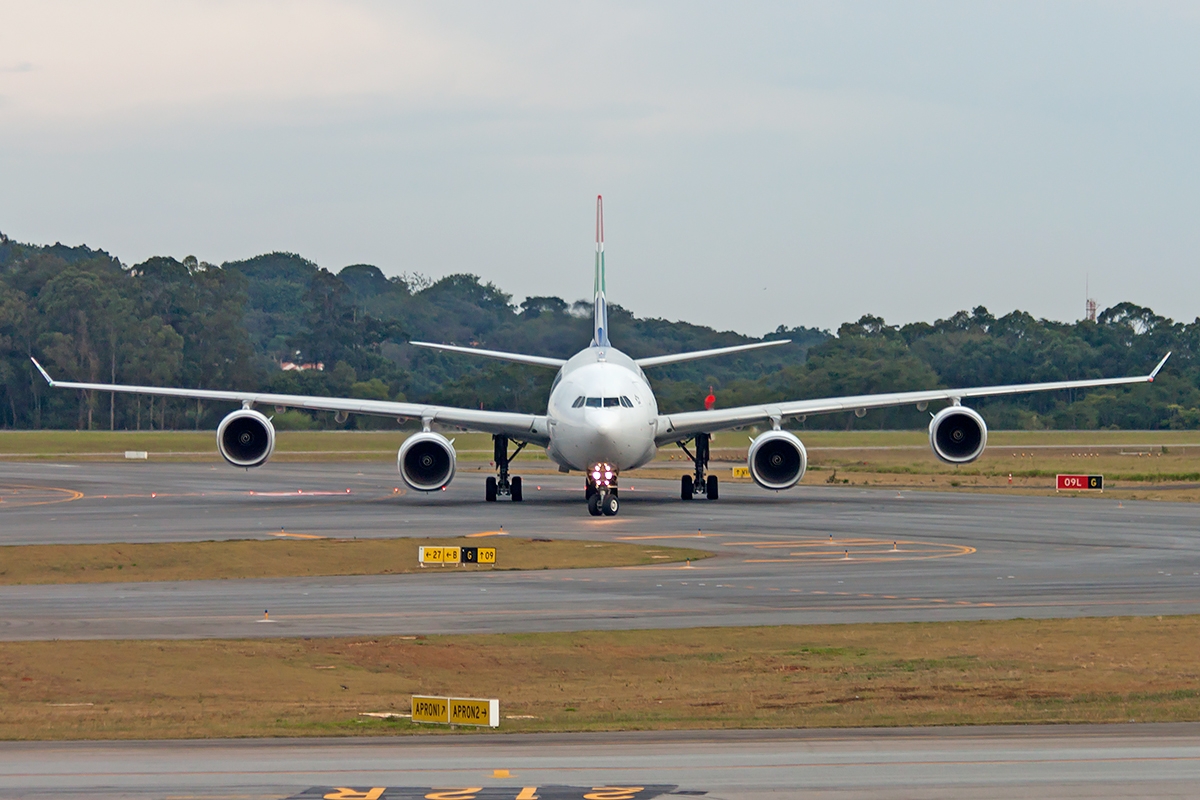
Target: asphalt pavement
[989,762]
[814,554]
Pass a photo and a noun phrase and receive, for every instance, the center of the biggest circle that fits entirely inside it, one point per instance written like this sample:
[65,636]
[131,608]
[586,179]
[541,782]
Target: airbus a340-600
[602,419]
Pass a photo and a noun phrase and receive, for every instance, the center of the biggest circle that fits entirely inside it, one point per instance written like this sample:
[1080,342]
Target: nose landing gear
[698,483]
[601,490]
[503,485]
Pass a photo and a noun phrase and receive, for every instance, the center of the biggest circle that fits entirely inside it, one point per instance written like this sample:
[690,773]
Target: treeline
[185,322]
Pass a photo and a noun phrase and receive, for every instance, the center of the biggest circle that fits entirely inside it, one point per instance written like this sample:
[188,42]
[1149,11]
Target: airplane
[602,419]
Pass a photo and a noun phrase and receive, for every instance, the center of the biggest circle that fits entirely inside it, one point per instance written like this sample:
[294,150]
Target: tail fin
[600,318]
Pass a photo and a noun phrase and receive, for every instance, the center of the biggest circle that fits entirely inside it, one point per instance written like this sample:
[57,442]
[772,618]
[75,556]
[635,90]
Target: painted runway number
[489,793]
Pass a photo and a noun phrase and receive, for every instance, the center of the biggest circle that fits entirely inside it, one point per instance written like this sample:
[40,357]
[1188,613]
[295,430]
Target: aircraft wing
[695,355]
[520,358]
[525,427]
[678,427]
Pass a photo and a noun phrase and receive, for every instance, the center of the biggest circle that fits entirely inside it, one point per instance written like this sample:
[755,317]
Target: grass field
[1022,671]
[289,557]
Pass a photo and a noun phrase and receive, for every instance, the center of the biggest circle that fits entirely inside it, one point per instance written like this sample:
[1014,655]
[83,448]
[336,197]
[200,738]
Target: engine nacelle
[957,435]
[246,438]
[777,460]
[426,461]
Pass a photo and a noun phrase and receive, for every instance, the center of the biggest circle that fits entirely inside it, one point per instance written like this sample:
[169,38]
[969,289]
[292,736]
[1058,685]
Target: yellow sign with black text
[487,555]
[430,709]
[430,555]
[456,710]
[464,711]
[741,472]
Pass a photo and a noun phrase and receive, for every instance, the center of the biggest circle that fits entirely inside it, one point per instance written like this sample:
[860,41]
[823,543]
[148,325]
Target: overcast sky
[762,163]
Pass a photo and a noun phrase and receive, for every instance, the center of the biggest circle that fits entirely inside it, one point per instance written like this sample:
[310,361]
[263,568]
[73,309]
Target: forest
[88,317]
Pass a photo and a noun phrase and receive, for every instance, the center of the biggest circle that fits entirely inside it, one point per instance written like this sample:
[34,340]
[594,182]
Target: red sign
[1079,483]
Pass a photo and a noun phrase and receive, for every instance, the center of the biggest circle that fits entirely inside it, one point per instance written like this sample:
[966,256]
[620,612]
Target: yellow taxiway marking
[486,533]
[857,549]
[287,535]
[13,495]
[669,536]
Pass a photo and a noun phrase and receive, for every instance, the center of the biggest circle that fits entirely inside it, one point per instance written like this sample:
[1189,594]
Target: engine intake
[777,460]
[957,435]
[246,438]
[426,461]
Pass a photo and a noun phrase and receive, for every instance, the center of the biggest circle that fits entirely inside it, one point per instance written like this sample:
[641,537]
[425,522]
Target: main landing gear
[697,483]
[504,485]
[600,489]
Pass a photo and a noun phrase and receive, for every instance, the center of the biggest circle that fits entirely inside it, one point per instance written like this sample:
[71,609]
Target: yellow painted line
[669,536]
[287,535]
[822,542]
[12,494]
[486,533]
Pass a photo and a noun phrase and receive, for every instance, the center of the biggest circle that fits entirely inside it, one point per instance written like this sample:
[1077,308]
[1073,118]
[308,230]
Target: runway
[814,554]
[986,762]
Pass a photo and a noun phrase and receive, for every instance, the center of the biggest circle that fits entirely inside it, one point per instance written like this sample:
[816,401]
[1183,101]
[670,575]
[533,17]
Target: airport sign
[456,555]
[466,711]
[1079,483]
[482,712]
[741,472]
[430,709]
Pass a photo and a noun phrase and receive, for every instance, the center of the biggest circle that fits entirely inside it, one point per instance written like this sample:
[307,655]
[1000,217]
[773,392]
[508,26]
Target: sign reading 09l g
[1079,483]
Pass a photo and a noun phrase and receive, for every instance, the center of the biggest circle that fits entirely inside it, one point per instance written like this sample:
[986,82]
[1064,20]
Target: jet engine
[246,438]
[777,460]
[957,435]
[426,461]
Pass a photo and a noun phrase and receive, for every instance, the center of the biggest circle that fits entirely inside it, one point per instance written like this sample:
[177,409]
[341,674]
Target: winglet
[45,374]
[1152,374]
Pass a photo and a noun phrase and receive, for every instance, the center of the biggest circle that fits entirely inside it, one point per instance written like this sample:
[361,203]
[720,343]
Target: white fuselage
[617,419]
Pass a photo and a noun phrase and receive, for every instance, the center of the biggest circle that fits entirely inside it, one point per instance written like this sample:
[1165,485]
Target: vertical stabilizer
[600,317]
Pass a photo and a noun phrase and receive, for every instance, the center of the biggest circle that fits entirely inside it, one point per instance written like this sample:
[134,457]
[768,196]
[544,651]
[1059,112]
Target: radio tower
[1089,305]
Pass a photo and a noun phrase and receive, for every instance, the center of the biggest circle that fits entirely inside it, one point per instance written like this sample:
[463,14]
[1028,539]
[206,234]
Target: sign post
[1079,483]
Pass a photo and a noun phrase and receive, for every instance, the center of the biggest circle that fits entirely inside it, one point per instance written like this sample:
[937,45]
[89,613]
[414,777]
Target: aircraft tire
[685,488]
[489,490]
[515,490]
[594,505]
[711,487]
[610,504]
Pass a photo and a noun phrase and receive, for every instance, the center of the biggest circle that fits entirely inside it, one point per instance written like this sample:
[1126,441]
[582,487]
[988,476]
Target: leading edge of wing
[672,427]
[519,358]
[528,426]
[695,355]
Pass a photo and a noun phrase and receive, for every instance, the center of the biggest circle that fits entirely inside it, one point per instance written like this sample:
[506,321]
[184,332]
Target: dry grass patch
[1021,671]
[256,558]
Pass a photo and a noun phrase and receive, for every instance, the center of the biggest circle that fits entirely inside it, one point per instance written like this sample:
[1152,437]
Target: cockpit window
[578,402]
[593,402]
[611,401]
[626,402]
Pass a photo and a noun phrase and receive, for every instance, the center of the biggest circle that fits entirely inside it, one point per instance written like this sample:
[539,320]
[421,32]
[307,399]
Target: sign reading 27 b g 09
[1079,483]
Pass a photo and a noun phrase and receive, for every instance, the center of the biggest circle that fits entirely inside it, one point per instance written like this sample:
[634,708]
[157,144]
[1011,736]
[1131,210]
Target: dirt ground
[1021,671]
[291,556]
